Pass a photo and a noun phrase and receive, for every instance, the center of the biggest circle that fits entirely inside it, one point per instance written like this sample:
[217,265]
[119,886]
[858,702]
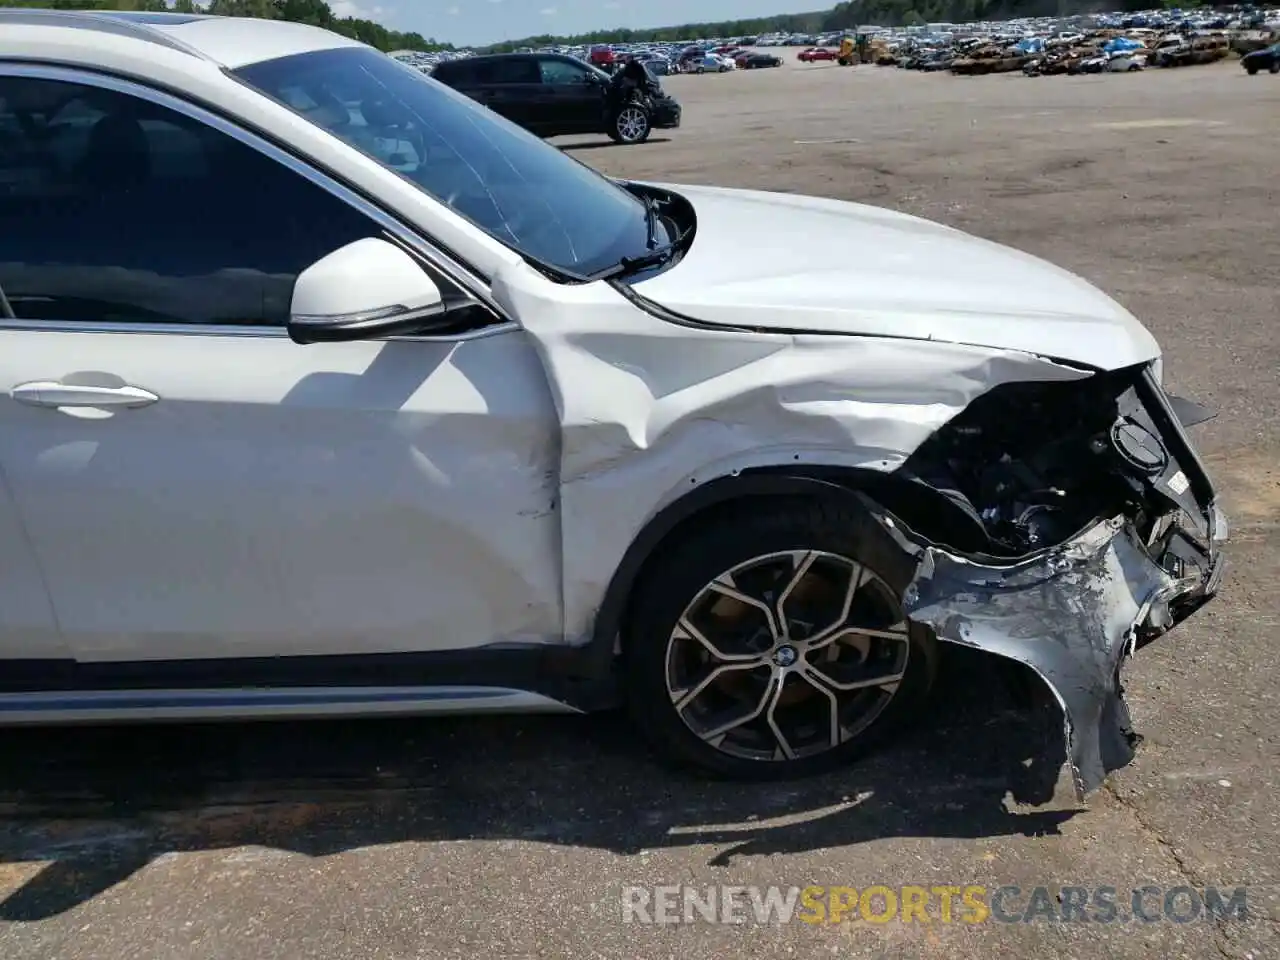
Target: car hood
[791,263]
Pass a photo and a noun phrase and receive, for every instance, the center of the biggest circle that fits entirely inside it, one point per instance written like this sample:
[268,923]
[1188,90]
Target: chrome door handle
[51,393]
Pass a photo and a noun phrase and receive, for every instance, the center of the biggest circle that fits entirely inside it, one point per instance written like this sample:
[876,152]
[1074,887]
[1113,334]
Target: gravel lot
[514,837]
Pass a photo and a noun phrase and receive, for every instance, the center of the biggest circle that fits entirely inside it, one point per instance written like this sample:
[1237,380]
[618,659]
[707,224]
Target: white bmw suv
[324,390]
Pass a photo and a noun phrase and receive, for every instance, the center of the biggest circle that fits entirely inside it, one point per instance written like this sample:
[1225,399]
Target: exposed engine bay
[1028,465]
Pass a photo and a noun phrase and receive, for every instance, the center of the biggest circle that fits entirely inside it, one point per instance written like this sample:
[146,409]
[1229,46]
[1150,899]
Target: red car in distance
[814,54]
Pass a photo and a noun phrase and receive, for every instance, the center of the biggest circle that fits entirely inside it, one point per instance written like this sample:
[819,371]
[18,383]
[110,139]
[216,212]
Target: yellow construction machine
[854,49]
[848,52]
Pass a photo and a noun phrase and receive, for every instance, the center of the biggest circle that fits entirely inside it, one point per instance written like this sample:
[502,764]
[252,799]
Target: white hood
[785,262]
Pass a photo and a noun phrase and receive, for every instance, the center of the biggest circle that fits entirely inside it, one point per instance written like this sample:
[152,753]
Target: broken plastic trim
[1072,611]
[1072,614]
[1189,412]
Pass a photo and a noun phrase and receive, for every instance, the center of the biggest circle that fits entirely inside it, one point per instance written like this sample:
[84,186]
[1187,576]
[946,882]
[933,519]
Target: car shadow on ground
[600,144]
[96,805]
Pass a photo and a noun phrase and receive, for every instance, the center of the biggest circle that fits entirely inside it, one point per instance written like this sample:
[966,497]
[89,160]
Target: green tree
[262,9]
[314,12]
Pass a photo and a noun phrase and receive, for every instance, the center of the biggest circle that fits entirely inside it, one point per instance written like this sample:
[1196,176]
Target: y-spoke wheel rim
[632,123]
[787,655]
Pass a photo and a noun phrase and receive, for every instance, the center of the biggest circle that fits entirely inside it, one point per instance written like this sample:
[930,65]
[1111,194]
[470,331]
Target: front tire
[771,643]
[630,125]
[1275,67]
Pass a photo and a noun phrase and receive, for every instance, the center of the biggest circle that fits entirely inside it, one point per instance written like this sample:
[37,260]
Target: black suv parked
[1267,58]
[550,94]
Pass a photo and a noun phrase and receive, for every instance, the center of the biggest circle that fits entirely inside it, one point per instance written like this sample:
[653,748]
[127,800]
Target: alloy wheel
[632,124]
[787,655]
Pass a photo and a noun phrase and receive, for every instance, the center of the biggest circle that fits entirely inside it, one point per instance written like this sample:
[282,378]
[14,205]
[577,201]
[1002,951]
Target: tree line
[315,12]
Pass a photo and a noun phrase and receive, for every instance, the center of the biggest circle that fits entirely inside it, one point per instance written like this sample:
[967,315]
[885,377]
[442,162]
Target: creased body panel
[650,409]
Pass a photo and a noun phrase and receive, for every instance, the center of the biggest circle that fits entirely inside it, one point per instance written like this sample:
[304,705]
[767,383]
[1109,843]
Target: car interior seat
[118,154]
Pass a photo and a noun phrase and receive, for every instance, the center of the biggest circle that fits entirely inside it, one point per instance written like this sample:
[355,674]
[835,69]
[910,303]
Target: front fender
[650,408]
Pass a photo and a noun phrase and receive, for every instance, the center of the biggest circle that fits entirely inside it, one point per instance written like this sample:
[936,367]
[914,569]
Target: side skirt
[508,679]
[99,706]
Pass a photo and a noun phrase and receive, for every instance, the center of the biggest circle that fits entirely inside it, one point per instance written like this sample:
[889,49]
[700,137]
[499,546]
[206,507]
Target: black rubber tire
[1251,70]
[617,137]
[684,568]
[1275,67]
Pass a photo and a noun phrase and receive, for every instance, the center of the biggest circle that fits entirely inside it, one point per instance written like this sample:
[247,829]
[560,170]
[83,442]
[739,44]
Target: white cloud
[353,8]
[454,11]
[548,11]
[612,5]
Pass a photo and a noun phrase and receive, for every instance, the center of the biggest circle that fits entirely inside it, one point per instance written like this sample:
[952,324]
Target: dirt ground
[513,838]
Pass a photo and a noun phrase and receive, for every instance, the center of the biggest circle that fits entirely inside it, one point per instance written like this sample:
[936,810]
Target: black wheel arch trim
[595,660]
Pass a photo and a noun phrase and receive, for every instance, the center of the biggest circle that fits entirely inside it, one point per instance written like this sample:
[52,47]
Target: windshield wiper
[632,265]
[656,257]
[653,219]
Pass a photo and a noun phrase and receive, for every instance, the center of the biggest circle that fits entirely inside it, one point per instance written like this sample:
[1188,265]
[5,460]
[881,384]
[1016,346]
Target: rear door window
[509,70]
[456,73]
[564,73]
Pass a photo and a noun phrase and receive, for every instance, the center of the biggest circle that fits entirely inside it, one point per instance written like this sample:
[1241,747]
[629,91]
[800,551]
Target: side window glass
[451,73]
[513,70]
[114,209]
[561,72]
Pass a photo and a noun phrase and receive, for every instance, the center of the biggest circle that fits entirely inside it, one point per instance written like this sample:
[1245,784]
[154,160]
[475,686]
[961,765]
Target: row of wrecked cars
[1123,54]
[1097,51]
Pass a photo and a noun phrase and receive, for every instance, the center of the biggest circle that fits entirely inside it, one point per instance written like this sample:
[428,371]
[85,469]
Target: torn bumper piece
[1072,615]
[1073,612]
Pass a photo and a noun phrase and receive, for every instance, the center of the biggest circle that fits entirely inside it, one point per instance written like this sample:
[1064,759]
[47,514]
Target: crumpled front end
[1020,468]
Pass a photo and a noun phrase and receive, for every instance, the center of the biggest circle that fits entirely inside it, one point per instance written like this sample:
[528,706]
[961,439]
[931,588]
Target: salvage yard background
[515,837]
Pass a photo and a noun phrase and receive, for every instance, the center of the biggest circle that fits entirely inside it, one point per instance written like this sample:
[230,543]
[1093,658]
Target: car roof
[230,42]
[487,57]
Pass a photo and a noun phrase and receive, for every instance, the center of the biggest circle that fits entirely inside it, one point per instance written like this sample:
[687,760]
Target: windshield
[555,211]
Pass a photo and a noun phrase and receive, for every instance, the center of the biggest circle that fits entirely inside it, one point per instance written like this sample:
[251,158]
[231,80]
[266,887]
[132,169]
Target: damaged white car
[328,391]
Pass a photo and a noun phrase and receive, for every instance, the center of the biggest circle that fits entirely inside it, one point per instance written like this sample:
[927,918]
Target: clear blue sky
[489,21]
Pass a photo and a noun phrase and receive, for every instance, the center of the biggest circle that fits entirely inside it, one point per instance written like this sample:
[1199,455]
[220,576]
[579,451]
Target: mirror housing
[367,289]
